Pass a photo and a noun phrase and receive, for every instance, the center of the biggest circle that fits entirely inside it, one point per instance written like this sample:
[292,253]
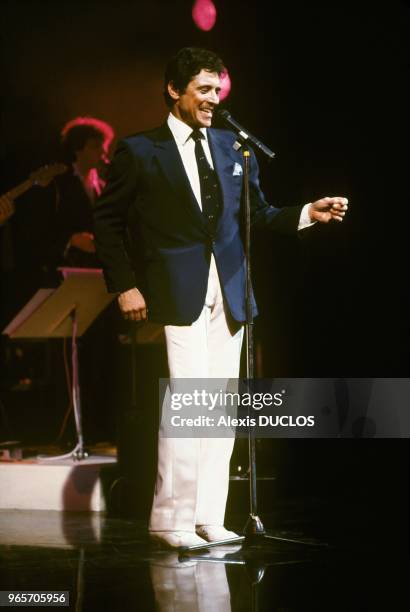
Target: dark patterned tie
[208,180]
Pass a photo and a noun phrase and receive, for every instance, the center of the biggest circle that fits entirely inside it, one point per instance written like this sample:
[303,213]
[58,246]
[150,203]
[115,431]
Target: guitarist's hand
[83,241]
[6,208]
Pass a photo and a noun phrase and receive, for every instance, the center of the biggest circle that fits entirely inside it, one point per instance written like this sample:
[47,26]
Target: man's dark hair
[78,131]
[186,64]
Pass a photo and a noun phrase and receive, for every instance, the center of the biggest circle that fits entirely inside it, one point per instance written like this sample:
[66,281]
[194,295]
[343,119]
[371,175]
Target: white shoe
[214,533]
[176,539]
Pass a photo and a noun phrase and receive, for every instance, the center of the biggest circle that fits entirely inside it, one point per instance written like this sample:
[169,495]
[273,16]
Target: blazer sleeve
[283,220]
[110,220]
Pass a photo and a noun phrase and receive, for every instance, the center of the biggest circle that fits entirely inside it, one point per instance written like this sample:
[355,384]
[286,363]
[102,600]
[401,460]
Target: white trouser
[193,473]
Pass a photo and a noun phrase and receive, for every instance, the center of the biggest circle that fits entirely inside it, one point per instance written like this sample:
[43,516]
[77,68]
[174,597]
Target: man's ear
[174,93]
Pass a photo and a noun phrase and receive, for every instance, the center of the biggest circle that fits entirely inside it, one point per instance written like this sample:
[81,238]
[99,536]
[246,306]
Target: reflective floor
[346,562]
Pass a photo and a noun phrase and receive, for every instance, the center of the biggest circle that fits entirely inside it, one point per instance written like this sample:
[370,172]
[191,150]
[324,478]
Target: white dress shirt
[186,147]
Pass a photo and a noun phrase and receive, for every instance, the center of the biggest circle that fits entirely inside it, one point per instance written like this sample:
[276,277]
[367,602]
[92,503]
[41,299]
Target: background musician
[85,143]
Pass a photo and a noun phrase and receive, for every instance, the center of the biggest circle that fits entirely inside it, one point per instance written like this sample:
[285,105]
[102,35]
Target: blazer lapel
[223,163]
[168,156]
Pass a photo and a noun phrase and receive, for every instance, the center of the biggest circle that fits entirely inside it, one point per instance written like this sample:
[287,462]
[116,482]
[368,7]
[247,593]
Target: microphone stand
[254,531]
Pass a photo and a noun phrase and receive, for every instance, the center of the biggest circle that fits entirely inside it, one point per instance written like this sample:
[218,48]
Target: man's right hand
[132,305]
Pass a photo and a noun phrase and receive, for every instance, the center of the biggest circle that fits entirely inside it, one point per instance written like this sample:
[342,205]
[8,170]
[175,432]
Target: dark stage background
[324,86]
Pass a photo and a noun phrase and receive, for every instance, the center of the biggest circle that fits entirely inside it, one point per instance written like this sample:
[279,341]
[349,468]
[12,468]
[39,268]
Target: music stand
[67,311]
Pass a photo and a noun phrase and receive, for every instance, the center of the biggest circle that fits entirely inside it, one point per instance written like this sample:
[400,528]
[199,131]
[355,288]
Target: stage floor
[109,564]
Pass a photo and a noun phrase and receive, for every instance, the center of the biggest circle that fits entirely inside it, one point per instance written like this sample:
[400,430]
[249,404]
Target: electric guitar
[41,177]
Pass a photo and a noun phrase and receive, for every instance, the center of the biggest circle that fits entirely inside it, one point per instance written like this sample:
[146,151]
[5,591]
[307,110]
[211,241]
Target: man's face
[196,104]
[92,153]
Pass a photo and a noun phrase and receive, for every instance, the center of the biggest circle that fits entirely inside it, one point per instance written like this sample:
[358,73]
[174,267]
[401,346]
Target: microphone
[243,134]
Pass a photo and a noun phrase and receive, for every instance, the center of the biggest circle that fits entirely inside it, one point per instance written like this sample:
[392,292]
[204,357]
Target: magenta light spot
[204,14]
[225,85]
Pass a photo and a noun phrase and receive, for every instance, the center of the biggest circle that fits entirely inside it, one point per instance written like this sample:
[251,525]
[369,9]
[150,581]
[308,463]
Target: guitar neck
[20,189]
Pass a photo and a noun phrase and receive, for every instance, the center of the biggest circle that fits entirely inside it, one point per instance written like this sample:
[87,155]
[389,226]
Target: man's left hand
[6,208]
[328,209]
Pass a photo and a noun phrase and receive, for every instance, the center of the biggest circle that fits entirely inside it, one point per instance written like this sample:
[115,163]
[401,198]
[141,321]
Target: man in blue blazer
[182,183]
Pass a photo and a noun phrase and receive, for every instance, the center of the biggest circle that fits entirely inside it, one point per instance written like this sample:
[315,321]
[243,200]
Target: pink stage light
[204,14]
[225,86]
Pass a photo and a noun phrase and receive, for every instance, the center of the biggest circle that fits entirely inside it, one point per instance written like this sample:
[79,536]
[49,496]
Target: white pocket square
[237,169]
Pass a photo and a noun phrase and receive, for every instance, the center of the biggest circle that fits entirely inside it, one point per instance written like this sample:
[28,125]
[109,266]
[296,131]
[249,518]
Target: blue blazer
[147,182]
